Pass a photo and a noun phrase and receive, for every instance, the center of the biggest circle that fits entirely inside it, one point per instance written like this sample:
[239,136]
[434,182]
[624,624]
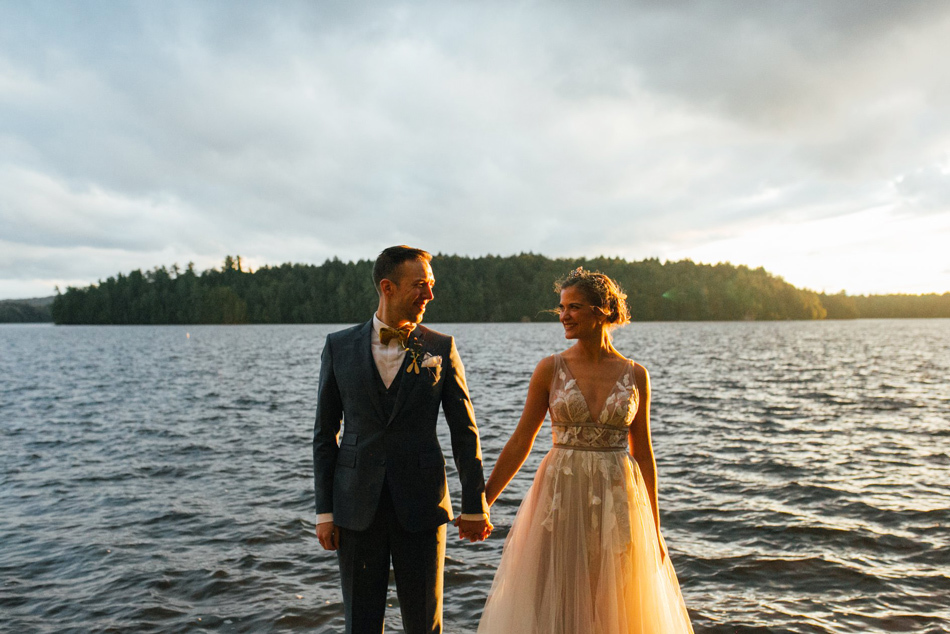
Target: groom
[381,491]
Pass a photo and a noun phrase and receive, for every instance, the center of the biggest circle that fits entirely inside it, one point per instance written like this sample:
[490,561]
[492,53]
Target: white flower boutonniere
[434,364]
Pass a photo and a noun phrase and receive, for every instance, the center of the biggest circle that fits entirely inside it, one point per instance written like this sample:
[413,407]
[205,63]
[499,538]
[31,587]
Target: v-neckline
[613,387]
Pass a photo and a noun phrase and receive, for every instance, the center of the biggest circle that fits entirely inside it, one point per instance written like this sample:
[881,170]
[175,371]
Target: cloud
[926,189]
[303,131]
[37,210]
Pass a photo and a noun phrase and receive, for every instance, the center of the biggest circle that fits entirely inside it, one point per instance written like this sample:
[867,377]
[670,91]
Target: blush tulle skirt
[582,556]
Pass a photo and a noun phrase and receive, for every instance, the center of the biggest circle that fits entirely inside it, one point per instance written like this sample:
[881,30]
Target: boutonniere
[419,358]
[434,365]
[415,356]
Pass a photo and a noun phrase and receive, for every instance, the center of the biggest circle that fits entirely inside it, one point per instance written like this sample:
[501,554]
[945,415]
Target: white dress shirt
[388,360]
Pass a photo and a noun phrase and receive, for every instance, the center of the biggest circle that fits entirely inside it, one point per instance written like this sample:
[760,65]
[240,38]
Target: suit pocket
[430,459]
[346,458]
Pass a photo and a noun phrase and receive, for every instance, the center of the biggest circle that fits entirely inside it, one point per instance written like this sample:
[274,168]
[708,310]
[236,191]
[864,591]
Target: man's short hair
[390,259]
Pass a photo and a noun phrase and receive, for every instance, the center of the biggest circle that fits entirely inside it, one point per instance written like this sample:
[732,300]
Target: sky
[811,138]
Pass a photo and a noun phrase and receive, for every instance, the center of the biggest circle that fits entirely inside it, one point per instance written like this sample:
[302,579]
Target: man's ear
[386,287]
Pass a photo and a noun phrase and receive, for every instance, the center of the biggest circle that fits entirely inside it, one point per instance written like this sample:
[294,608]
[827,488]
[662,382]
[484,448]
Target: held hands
[328,535]
[473,530]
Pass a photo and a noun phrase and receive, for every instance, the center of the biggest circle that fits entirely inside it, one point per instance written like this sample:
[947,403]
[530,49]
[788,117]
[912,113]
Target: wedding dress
[582,556]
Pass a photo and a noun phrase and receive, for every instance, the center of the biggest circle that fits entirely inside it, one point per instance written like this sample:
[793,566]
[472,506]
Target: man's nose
[427,293]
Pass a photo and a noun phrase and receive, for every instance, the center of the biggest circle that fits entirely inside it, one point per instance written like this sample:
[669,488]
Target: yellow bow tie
[388,334]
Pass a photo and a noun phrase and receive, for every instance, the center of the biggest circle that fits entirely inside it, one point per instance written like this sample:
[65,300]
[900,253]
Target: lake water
[158,479]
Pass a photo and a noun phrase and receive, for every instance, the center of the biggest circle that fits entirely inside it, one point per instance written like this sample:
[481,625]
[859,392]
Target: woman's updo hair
[604,294]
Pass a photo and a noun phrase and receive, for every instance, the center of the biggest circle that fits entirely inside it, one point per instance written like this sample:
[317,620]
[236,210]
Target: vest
[387,396]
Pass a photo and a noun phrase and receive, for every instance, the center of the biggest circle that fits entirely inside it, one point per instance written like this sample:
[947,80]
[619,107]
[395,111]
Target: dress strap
[558,365]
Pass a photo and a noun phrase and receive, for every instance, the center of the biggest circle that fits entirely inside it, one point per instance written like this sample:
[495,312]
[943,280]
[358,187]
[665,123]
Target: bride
[585,554]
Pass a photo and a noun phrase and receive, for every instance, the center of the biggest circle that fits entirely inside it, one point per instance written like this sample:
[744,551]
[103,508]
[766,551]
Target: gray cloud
[925,190]
[310,130]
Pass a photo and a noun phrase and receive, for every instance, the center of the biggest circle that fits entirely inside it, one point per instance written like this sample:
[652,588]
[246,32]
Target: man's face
[412,290]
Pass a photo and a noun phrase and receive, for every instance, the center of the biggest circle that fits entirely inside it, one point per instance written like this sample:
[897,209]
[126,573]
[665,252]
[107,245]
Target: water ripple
[157,479]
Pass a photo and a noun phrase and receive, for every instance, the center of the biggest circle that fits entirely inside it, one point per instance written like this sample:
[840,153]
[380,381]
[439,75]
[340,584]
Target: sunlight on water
[158,478]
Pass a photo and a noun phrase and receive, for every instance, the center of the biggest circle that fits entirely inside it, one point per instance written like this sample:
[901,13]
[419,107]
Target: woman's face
[578,316]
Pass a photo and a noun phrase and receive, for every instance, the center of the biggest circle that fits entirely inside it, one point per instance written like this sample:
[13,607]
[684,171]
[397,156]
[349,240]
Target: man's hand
[329,535]
[473,530]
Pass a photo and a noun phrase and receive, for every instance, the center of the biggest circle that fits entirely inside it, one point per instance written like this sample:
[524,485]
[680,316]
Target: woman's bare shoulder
[641,375]
[544,371]
[546,365]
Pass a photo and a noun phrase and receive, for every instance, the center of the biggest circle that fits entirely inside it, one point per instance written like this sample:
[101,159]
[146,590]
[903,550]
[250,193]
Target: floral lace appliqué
[572,421]
[599,474]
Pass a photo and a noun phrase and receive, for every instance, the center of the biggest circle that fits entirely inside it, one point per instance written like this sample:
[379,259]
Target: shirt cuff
[473,517]
[324,517]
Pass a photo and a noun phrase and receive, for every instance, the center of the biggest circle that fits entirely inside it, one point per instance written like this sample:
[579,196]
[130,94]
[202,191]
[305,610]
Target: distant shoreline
[26,311]
[436,325]
[488,289]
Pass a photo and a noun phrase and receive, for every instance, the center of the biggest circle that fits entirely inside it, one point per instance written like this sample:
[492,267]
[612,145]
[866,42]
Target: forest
[24,311]
[483,289]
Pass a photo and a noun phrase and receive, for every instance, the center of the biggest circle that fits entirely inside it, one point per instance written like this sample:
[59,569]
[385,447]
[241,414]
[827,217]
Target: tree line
[24,311]
[482,289]
[842,306]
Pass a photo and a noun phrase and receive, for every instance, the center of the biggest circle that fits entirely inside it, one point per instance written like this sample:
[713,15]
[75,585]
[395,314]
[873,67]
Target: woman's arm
[519,445]
[642,445]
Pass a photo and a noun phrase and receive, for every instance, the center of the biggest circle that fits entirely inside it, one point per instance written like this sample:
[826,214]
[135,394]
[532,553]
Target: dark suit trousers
[417,562]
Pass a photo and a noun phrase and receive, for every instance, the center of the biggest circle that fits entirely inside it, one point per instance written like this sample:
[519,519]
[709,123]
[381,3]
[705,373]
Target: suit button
[381,462]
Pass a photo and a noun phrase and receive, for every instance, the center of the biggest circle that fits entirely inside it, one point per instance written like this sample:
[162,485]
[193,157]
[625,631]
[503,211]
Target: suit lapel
[409,378]
[367,365]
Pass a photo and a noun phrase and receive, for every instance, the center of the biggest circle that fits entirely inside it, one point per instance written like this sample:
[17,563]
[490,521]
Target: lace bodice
[572,421]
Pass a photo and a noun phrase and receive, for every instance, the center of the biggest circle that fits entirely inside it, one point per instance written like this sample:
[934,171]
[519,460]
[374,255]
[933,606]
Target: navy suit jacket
[403,447]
